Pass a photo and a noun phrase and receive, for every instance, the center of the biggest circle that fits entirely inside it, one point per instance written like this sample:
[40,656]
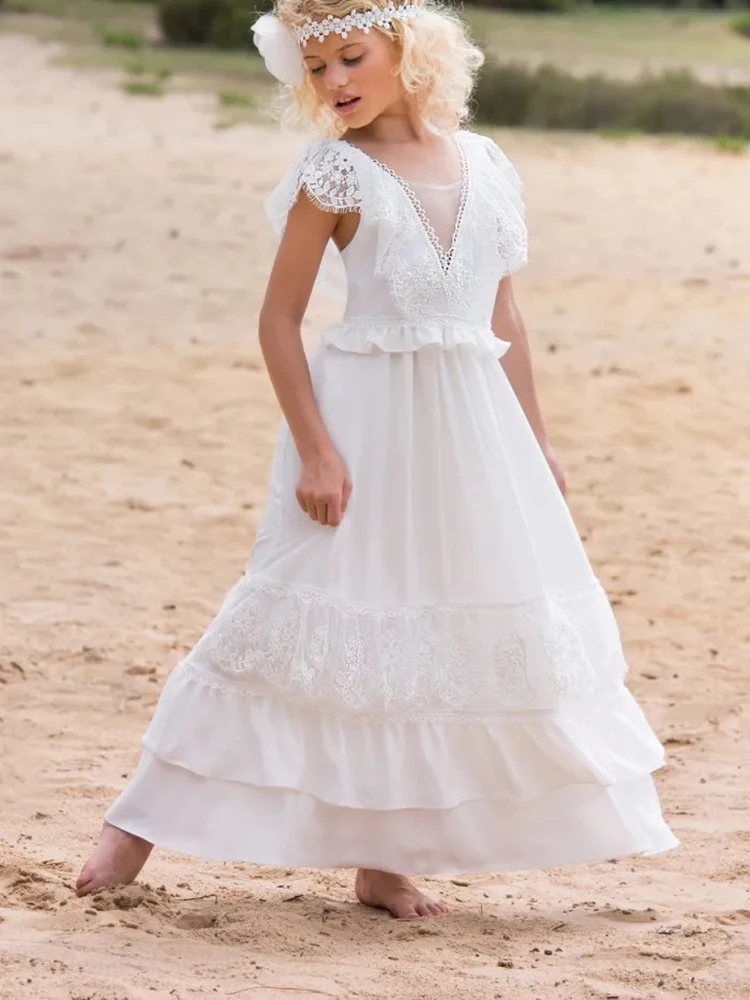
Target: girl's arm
[507,324]
[323,488]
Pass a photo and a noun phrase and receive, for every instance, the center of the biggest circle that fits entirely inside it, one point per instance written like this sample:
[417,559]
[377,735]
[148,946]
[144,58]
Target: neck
[399,123]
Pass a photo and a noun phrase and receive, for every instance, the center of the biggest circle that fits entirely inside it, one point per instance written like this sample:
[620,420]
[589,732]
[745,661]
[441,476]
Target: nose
[337,75]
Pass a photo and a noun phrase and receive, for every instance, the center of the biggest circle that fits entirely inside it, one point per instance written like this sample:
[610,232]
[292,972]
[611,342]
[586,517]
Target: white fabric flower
[280,50]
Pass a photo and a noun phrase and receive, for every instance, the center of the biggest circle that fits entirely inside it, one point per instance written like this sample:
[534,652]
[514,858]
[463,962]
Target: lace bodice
[425,261]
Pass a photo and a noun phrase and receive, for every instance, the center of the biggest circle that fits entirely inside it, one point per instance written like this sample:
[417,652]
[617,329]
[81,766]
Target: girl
[419,672]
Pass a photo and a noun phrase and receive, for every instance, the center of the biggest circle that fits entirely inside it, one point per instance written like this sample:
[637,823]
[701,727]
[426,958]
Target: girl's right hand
[324,488]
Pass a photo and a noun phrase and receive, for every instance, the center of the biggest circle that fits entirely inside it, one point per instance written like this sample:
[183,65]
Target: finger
[302,501]
[320,512]
[334,511]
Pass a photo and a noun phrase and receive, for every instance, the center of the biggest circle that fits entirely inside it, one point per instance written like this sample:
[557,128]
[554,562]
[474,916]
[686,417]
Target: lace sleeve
[328,177]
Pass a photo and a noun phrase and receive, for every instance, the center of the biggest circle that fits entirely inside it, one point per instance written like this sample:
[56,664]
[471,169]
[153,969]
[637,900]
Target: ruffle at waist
[368,336]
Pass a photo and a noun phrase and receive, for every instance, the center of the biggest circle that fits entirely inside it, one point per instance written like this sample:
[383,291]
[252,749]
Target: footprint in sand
[157,903]
[629,916]
[27,889]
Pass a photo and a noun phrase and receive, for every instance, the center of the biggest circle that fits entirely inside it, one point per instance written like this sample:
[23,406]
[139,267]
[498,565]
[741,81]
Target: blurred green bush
[530,6]
[188,22]
[221,24]
[231,28]
[741,25]
[549,98]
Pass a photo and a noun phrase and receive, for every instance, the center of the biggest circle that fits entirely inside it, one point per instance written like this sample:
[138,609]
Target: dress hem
[224,821]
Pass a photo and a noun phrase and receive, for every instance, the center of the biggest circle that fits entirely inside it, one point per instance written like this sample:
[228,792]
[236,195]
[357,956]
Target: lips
[345,105]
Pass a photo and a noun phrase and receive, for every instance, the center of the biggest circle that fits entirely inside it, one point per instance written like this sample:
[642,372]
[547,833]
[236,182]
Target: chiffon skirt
[434,686]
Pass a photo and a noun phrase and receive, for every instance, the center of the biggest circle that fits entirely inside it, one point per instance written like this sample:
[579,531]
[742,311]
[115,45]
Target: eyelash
[346,62]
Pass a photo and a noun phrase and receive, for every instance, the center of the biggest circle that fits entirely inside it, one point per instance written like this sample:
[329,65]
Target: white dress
[436,685]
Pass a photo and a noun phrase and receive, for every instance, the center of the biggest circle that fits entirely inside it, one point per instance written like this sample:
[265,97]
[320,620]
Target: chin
[360,118]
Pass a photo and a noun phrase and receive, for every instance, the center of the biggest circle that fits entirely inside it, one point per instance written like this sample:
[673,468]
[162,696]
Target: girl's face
[355,76]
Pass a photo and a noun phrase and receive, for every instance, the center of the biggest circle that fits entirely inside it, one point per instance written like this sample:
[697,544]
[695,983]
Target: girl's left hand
[557,471]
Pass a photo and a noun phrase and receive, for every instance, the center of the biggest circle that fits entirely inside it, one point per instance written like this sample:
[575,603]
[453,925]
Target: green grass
[139,85]
[143,88]
[116,38]
[213,71]
[730,144]
[237,108]
[235,99]
[85,10]
[135,68]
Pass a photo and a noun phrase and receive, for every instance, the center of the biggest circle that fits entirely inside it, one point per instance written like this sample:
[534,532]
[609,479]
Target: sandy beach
[136,429]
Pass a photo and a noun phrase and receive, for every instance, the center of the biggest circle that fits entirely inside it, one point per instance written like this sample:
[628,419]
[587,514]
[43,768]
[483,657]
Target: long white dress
[436,685]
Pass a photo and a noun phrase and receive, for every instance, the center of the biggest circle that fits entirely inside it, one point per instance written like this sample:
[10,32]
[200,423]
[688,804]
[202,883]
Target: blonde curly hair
[438,64]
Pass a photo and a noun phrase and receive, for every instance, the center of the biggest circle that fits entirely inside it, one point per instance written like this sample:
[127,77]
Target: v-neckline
[444,256]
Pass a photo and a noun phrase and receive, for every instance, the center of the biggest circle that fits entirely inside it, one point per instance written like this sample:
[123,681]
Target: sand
[136,428]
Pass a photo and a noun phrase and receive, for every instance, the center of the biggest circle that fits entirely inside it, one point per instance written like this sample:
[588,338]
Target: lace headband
[364,19]
[281,47]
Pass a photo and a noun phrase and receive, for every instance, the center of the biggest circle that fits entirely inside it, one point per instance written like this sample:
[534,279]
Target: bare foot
[117,859]
[395,894]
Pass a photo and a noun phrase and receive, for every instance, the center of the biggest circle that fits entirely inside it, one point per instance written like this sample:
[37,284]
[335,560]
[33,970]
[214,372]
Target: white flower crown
[281,47]
[364,19]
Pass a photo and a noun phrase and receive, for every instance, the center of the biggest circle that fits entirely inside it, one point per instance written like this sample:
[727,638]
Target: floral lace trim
[413,658]
[331,181]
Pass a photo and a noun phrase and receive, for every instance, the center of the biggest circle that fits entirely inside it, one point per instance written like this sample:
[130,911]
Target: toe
[83,885]
[436,909]
[406,909]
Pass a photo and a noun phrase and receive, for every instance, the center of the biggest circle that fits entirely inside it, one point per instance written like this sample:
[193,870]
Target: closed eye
[352,61]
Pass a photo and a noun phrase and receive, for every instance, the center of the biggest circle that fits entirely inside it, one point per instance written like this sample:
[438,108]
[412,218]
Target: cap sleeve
[507,173]
[499,191]
[328,177]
